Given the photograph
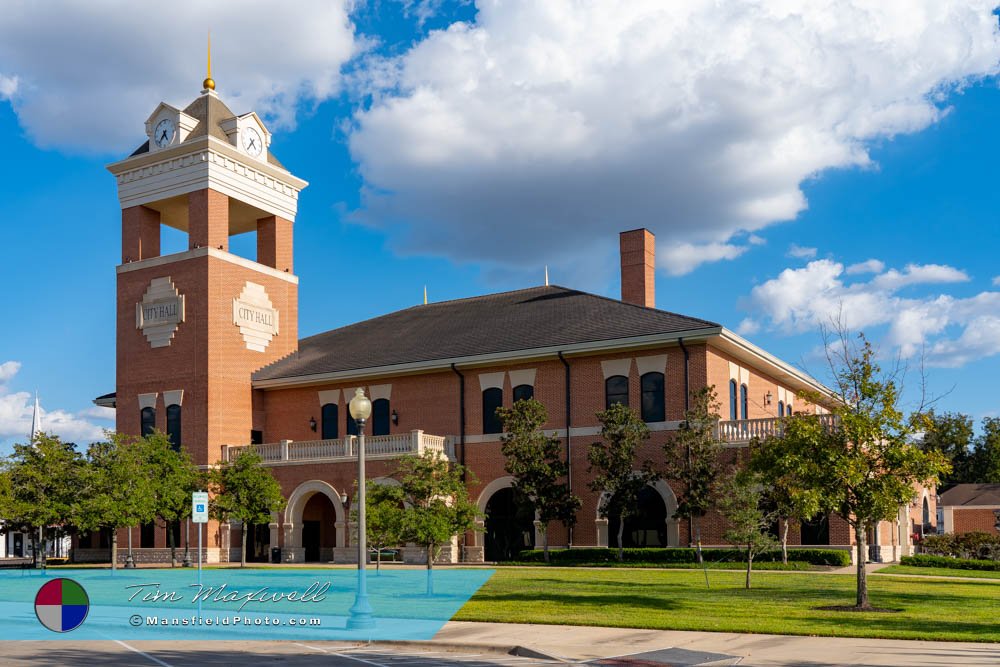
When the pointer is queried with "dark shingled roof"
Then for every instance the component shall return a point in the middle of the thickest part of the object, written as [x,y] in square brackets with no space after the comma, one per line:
[972,494]
[209,111]
[526,319]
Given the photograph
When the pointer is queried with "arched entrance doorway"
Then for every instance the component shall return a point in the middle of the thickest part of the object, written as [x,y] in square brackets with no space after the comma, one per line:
[258,542]
[510,525]
[647,527]
[315,523]
[319,531]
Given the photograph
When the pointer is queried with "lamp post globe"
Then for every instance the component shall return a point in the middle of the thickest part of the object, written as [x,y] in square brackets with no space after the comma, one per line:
[361,617]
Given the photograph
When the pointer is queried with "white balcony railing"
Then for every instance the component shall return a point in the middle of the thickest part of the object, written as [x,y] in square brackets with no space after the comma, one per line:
[745,430]
[343,449]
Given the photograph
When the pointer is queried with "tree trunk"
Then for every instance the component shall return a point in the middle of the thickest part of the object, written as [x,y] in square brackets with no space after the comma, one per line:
[697,537]
[378,560]
[243,550]
[749,565]
[861,533]
[34,548]
[784,542]
[430,570]
[621,531]
[545,543]
[173,547]
[114,549]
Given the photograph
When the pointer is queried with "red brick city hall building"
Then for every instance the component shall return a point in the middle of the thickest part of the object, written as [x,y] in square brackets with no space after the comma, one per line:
[208,352]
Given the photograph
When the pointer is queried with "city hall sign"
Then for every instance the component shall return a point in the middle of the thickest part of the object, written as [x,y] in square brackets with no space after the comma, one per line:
[160,312]
[255,317]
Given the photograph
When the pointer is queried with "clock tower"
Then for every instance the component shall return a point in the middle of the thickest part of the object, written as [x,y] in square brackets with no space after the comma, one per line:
[193,326]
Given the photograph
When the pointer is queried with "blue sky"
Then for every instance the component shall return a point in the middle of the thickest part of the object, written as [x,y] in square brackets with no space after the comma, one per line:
[467,146]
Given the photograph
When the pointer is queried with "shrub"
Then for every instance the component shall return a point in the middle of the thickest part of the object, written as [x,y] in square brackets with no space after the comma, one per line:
[599,555]
[923,560]
[975,546]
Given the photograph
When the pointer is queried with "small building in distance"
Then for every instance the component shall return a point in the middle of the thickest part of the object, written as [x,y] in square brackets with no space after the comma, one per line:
[967,508]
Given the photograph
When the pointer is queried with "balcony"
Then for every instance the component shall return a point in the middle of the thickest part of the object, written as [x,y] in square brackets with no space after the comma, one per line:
[345,449]
[741,431]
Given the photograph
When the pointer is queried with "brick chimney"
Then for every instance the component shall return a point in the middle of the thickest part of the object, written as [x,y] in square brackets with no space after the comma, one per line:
[638,256]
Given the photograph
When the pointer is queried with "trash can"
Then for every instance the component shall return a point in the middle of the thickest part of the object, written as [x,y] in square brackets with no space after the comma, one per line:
[275,554]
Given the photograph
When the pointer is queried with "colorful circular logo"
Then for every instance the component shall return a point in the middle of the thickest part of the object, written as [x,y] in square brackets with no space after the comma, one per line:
[61,605]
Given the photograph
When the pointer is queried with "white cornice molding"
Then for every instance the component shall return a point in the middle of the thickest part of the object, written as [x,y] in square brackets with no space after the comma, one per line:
[194,253]
[206,163]
[744,350]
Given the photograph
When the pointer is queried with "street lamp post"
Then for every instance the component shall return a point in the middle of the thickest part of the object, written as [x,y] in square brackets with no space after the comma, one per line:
[361,612]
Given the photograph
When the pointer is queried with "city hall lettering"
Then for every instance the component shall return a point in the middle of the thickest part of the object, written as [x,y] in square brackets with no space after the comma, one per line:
[160,312]
[246,314]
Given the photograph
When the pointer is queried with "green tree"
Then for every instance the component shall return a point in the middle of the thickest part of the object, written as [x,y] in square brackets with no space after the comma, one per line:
[174,477]
[867,465]
[535,462]
[951,434]
[692,458]
[612,464]
[741,496]
[984,463]
[383,518]
[787,491]
[44,481]
[437,501]
[117,490]
[246,491]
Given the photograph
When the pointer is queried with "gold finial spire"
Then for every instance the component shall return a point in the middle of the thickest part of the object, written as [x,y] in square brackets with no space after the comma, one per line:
[209,83]
[425,295]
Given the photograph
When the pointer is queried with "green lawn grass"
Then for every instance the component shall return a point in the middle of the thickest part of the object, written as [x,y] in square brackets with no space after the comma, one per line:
[939,572]
[779,603]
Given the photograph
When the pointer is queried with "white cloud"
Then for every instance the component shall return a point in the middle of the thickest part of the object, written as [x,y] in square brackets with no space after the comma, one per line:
[753,239]
[801,252]
[8,87]
[867,266]
[17,407]
[954,331]
[996,281]
[563,122]
[88,74]
[682,258]
[8,370]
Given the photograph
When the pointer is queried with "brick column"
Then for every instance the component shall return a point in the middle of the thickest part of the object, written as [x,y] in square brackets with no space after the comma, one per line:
[140,233]
[638,260]
[274,243]
[208,219]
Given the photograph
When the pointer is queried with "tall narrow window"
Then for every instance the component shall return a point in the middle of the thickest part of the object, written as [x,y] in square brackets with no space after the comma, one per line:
[781,408]
[147,536]
[732,400]
[743,402]
[523,392]
[147,421]
[616,391]
[174,426]
[328,413]
[653,409]
[380,416]
[492,399]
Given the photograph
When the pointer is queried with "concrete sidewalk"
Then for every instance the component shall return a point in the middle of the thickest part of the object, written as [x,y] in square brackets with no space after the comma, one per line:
[576,644]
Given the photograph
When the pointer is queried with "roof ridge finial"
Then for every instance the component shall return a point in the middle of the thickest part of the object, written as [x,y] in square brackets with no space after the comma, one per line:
[209,83]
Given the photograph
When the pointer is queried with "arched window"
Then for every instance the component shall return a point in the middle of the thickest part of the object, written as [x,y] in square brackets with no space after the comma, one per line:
[174,426]
[147,421]
[732,400]
[616,391]
[380,416]
[492,399]
[781,408]
[744,412]
[653,409]
[927,513]
[523,392]
[328,414]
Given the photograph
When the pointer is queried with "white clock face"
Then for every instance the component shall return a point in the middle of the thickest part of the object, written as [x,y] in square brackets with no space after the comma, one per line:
[164,133]
[253,143]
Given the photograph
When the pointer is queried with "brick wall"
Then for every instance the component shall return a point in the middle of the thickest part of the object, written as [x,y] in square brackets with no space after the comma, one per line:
[970,519]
